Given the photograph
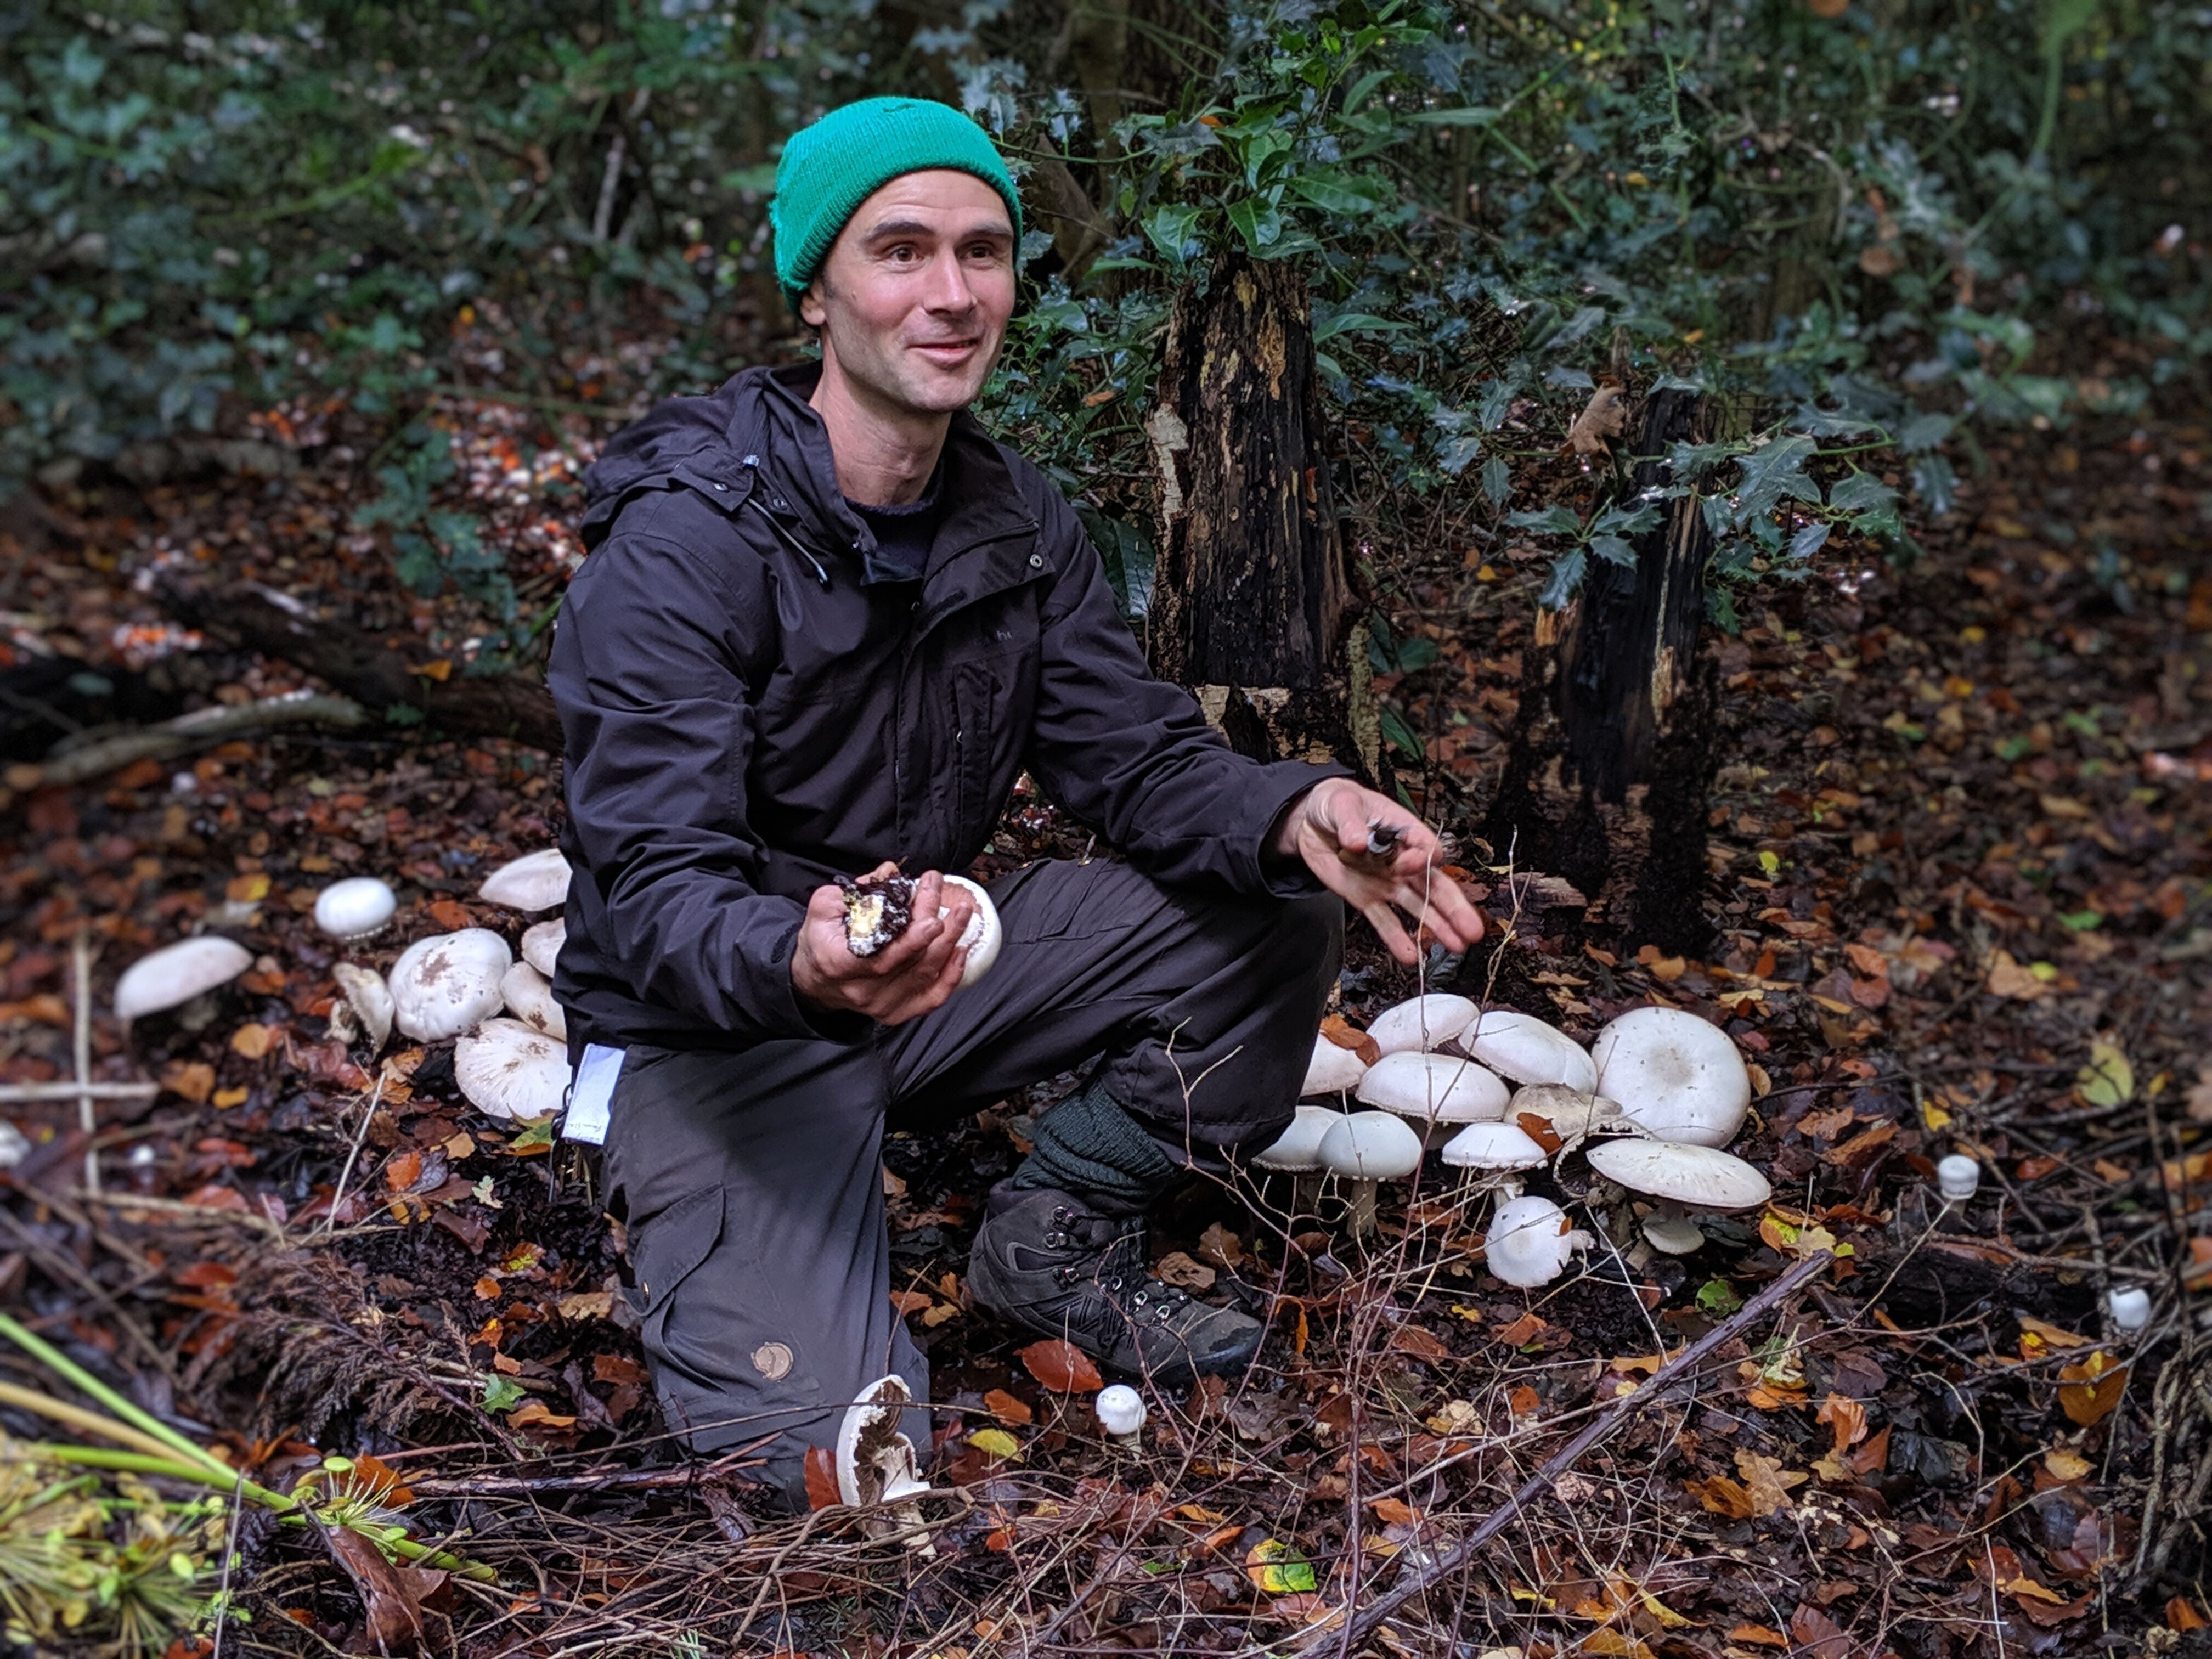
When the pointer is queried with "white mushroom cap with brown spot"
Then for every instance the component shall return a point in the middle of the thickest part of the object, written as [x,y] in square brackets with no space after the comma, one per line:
[442,985]
[509,1070]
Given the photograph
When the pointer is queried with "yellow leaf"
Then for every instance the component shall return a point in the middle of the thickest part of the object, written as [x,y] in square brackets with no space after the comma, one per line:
[253,1041]
[997,1442]
[2107,1080]
[1279,1569]
[2062,1463]
[1933,1116]
[2088,1392]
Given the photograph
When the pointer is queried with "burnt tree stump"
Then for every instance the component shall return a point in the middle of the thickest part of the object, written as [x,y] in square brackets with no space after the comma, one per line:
[1614,747]
[1250,604]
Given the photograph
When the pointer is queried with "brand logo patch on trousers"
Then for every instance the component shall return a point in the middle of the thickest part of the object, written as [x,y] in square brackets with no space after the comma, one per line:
[773,1361]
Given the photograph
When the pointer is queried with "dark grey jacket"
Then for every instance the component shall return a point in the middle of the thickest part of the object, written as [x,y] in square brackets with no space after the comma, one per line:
[749,712]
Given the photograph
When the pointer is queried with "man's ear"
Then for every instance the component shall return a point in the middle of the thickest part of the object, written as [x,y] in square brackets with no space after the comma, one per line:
[812,310]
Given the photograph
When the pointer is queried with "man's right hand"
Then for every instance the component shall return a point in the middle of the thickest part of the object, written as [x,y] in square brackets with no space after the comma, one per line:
[912,975]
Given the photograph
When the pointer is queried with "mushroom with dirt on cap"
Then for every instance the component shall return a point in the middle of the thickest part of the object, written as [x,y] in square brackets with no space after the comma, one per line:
[1679,1076]
[508,1070]
[536,881]
[365,1001]
[1524,1048]
[177,977]
[1681,1177]
[876,1463]
[1569,1115]
[1433,1090]
[1362,1148]
[442,985]
[1420,1022]
[529,997]
[1529,1242]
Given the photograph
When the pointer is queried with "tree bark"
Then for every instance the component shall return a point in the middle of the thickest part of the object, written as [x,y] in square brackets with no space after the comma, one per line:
[1614,748]
[370,671]
[1251,600]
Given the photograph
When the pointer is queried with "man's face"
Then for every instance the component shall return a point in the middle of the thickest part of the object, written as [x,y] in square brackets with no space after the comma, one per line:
[914,299]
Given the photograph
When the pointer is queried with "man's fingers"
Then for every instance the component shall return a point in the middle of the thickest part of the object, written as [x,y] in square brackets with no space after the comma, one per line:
[1384,920]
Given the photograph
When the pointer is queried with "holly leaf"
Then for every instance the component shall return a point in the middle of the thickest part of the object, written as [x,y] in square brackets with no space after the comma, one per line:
[1771,473]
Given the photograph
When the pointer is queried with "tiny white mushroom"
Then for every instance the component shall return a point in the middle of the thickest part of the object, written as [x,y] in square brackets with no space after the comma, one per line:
[1529,1242]
[354,908]
[536,881]
[528,995]
[876,1463]
[2130,1307]
[1499,1149]
[1296,1152]
[368,998]
[1333,1069]
[1679,1076]
[1682,1176]
[176,974]
[1362,1148]
[442,985]
[1434,1090]
[1957,1176]
[981,936]
[542,943]
[1524,1048]
[508,1070]
[15,1146]
[1421,1023]
[1120,1410]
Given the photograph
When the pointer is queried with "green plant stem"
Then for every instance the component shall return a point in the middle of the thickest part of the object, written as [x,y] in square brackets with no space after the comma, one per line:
[31,1400]
[76,1375]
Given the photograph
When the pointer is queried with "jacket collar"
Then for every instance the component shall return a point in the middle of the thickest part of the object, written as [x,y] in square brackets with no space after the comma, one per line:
[982,503]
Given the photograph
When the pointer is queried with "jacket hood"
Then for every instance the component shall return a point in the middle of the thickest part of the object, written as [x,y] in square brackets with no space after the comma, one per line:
[675,433]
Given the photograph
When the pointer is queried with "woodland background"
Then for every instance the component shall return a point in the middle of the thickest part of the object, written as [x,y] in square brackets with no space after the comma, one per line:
[311,316]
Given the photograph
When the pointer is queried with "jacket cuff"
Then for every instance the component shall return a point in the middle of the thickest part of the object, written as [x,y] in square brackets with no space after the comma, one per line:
[1279,784]
[782,1009]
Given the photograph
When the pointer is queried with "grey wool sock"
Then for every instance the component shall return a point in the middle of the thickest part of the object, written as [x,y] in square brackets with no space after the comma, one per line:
[1090,1146]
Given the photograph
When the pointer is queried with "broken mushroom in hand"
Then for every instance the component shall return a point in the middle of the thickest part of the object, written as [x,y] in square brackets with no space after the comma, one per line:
[877,910]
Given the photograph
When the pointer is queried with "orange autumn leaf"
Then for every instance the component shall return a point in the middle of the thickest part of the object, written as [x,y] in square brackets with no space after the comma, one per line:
[821,1470]
[1847,1418]
[2181,1614]
[452,916]
[400,1173]
[910,1302]
[2088,1392]
[1060,1366]
[1345,1035]
[1006,1408]
[1722,1497]
[1759,1636]
[1392,1512]
[253,1041]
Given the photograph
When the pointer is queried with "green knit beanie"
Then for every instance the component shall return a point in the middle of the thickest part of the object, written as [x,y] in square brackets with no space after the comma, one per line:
[829,168]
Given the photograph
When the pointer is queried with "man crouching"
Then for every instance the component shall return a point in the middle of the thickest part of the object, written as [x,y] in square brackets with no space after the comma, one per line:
[825,625]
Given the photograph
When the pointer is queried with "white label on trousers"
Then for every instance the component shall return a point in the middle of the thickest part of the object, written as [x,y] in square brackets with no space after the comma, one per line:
[589,1093]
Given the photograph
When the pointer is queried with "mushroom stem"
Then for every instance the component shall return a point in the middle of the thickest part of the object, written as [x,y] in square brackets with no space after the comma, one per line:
[1359,1208]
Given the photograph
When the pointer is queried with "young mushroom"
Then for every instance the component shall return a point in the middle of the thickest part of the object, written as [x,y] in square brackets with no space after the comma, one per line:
[1529,1242]
[179,974]
[876,1463]
[506,1070]
[2130,1307]
[1120,1410]
[1333,1069]
[442,985]
[536,881]
[1421,1023]
[366,1002]
[354,908]
[1296,1152]
[1524,1048]
[1679,1076]
[1499,1150]
[528,995]
[981,936]
[1957,1176]
[1362,1148]
[1680,1176]
[542,943]
[1432,1090]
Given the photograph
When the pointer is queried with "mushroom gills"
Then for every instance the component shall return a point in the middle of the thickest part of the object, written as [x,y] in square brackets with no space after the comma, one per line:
[876,1461]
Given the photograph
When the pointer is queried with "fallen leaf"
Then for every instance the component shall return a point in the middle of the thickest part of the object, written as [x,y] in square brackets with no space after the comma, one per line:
[2062,1463]
[192,1078]
[1760,1636]
[1276,1569]
[1345,1035]
[1219,1248]
[2107,1080]
[997,1442]
[253,1041]
[2181,1614]
[1818,1637]
[1417,1343]
[1007,1409]
[1766,1481]
[1060,1366]
[1395,1512]
[1722,1496]
[535,1413]
[1184,1273]
[821,1469]
[2090,1390]
[1603,417]
[910,1302]
[2008,978]
[391,1596]
[1847,1418]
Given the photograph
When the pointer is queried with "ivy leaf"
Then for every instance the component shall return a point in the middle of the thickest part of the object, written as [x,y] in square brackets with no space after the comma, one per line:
[501,1394]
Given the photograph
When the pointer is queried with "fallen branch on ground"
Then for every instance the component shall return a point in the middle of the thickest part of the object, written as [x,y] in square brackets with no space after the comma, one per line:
[203,728]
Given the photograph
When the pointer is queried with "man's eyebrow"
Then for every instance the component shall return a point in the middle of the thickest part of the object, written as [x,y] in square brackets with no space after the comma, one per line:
[891,229]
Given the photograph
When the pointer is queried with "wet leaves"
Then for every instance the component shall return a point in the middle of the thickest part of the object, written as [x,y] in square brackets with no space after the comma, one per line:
[1060,1366]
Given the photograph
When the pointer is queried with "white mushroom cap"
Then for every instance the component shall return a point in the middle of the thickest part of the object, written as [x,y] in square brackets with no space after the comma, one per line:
[1121,1409]
[981,936]
[1679,1076]
[15,1146]
[175,973]
[1671,1232]
[1529,1242]
[1524,1048]
[509,1071]
[875,1461]
[367,995]
[1956,1176]
[1333,1069]
[1570,1112]
[1696,1177]
[542,943]
[2130,1307]
[1434,1089]
[442,985]
[1420,1022]
[354,908]
[1371,1146]
[1298,1148]
[536,881]
[528,995]
[1493,1146]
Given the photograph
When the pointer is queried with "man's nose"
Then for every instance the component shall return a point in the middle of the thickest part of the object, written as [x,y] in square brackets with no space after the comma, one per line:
[948,288]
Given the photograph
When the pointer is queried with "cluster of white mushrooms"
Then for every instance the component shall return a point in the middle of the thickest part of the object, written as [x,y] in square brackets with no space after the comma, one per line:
[511,1058]
[1650,1105]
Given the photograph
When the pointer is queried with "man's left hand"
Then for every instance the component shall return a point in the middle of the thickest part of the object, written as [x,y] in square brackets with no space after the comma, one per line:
[1329,826]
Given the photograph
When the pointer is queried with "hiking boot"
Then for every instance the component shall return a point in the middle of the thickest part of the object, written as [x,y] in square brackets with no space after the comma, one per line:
[1049,1262]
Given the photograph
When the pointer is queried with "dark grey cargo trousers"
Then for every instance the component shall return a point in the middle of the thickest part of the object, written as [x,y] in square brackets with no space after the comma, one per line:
[750,1183]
